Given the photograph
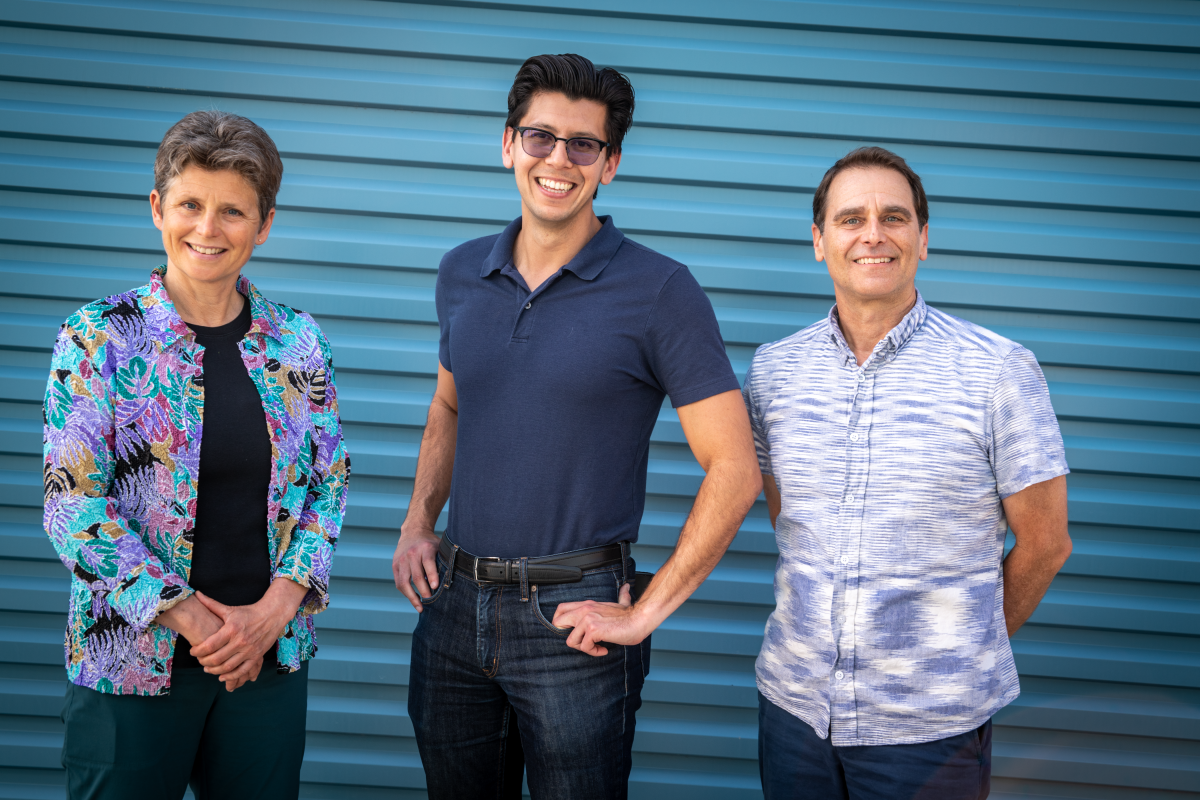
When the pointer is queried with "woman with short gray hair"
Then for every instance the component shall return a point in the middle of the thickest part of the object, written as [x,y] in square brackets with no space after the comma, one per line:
[195,483]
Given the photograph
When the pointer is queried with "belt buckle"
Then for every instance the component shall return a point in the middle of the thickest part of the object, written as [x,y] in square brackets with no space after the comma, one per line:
[485,558]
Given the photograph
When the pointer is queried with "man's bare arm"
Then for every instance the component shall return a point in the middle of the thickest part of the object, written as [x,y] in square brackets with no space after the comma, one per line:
[1038,517]
[774,499]
[415,559]
[718,431]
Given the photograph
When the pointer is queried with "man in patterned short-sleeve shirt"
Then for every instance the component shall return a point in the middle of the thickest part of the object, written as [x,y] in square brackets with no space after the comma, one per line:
[897,444]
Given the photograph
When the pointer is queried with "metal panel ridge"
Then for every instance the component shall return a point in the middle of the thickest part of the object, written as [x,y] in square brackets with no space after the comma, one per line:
[1059,144]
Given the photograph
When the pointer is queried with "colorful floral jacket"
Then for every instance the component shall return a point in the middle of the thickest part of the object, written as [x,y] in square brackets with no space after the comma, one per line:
[123,415]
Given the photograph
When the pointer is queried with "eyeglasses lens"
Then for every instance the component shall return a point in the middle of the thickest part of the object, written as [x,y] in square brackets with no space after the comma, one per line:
[539,144]
[583,151]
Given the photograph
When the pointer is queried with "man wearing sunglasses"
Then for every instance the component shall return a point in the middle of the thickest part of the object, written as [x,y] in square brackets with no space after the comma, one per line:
[560,339]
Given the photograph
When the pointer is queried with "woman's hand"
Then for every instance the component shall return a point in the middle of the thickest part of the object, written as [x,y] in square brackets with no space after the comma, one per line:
[247,671]
[191,620]
[235,652]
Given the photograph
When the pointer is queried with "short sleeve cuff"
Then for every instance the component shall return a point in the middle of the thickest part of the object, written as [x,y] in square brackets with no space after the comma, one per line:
[1026,479]
[726,383]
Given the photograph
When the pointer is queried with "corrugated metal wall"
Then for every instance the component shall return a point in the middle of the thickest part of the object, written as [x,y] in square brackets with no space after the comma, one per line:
[1060,148]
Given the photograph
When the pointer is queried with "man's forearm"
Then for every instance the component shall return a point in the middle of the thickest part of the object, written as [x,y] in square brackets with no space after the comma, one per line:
[435,465]
[1038,517]
[726,495]
[1027,575]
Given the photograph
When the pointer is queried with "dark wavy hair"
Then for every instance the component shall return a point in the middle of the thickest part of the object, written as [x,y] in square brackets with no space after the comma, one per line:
[217,140]
[578,79]
[870,157]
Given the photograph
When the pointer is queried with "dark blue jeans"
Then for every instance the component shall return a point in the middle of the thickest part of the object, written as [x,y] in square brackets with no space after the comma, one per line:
[796,764]
[494,685]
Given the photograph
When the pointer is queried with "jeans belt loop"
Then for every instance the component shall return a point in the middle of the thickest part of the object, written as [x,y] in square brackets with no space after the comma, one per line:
[524,580]
[625,562]
[452,567]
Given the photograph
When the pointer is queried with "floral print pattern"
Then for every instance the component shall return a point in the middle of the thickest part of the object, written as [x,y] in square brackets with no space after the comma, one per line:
[123,418]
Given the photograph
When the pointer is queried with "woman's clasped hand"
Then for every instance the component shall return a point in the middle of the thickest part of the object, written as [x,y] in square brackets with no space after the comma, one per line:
[235,651]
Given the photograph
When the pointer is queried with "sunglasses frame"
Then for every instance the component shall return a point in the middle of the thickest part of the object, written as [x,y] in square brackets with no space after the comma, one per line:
[521,135]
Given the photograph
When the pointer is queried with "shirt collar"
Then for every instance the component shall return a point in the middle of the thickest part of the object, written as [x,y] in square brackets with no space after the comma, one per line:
[160,313]
[896,338]
[587,263]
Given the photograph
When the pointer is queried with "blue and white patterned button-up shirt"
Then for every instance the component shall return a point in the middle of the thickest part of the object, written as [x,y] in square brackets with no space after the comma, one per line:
[889,619]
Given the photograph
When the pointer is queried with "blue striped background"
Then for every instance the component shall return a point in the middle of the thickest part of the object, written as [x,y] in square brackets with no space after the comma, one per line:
[1061,150]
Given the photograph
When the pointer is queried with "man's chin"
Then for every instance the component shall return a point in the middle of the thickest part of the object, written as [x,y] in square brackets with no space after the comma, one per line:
[555,213]
[881,293]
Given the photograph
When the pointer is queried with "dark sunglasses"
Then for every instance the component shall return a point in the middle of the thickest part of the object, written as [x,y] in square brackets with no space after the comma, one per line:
[581,150]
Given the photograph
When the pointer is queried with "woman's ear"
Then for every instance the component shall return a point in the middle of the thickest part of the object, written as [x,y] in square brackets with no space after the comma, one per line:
[265,229]
[156,209]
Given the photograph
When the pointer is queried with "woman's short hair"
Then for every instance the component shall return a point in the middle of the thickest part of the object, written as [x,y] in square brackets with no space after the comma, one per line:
[218,140]
[866,157]
[578,79]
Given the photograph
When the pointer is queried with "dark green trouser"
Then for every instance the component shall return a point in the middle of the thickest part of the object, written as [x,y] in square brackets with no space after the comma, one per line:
[244,744]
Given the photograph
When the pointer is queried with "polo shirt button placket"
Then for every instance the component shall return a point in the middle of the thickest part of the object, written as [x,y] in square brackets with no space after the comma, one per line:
[524,323]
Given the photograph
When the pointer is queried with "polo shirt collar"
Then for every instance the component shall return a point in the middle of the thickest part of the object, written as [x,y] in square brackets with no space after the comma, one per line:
[896,338]
[587,263]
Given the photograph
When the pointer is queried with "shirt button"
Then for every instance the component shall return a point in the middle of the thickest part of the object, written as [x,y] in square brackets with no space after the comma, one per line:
[529,305]
[845,559]
[862,376]
[839,674]
[854,437]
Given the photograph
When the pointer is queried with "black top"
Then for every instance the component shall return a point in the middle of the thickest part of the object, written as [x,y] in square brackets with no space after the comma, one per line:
[230,559]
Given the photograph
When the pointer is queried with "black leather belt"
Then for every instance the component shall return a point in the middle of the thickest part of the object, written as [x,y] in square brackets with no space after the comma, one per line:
[558,568]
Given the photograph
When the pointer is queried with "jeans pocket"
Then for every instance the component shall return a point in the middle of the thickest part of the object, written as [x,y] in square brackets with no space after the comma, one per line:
[426,601]
[602,587]
[536,602]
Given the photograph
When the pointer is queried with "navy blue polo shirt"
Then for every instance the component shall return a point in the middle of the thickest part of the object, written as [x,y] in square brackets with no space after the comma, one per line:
[559,389]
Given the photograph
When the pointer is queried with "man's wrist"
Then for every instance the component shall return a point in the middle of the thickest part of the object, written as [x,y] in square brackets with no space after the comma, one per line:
[411,528]
[647,617]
